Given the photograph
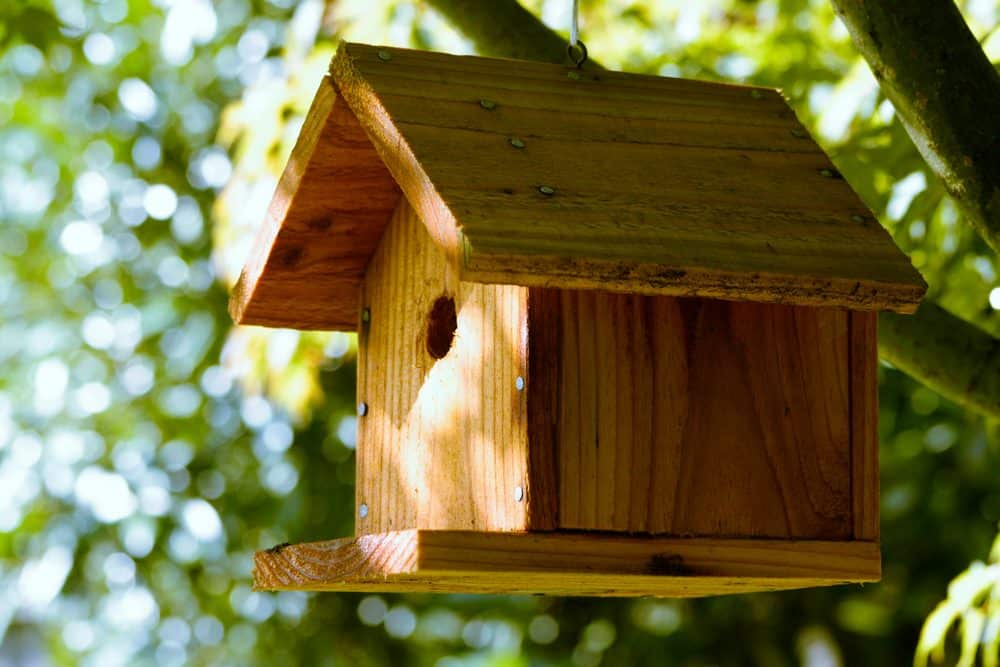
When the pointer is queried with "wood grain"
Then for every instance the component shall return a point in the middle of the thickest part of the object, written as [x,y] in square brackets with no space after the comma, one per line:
[327,215]
[561,564]
[864,425]
[444,441]
[691,416]
[662,186]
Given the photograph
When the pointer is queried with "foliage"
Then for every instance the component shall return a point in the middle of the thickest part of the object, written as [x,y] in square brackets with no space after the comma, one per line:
[146,450]
[973,603]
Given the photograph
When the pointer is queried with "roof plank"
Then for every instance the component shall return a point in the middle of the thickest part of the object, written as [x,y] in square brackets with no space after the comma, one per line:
[661,186]
[332,203]
[658,186]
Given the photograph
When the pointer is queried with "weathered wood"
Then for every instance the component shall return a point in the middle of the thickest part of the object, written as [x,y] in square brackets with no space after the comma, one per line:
[692,416]
[659,186]
[645,202]
[443,443]
[331,205]
[864,425]
[561,564]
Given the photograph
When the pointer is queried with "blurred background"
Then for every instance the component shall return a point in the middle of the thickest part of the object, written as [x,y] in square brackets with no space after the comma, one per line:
[147,448]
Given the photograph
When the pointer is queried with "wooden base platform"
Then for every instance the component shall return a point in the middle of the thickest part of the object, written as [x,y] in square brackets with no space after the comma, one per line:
[562,563]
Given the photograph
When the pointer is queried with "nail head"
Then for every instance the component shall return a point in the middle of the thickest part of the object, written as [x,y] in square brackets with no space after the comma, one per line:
[857,218]
[518,493]
[756,94]
[546,190]
[573,74]
[363,511]
[489,105]
[362,409]
[516,142]
[519,383]
[366,315]
[384,56]
[827,173]
[800,134]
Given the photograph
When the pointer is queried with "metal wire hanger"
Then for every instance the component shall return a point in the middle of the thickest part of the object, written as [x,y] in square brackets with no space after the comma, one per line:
[576,50]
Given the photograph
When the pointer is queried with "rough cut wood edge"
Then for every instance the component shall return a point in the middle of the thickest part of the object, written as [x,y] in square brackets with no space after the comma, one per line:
[652,280]
[324,221]
[561,564]
[864,424]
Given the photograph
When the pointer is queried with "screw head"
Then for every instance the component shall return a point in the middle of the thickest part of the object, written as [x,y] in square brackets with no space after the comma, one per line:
[489,105]
[363,511]
[519,383]
[384,56]
[516,142]
[518,493]
[546,190]
[362,409]
[366,315]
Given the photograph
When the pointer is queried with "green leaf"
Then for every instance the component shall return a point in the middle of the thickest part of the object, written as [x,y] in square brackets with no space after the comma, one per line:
[973,622]
[967,588]
[991,641]
[934,632]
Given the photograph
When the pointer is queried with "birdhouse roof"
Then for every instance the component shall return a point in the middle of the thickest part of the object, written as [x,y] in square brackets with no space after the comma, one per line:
[545,175]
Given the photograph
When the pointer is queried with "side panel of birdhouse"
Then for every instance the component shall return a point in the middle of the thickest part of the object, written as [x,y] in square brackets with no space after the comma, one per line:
[698,417]
[442,441]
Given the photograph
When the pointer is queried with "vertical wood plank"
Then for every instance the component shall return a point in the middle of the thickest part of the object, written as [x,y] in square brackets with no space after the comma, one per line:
[390,373]
[864,419]
[665,343]
[546,485]
[625,378]
[695,416]
[444,442]
[586,404]
[568,426]
[607,443]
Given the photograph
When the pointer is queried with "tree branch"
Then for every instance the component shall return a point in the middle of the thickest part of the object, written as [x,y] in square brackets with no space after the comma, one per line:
[951,356]
[946,92]
[503,28]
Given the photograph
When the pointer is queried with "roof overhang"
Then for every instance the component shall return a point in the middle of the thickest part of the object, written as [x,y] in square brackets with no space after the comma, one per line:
[537,174]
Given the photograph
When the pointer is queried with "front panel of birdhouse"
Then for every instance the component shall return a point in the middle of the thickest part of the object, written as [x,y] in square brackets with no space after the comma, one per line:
[443,442]
[508,408]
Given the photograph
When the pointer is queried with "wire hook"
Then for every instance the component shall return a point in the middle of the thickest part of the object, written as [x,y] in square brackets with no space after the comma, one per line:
[577,50]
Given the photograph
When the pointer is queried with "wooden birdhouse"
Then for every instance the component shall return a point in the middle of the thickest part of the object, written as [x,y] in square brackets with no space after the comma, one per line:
[616,333]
